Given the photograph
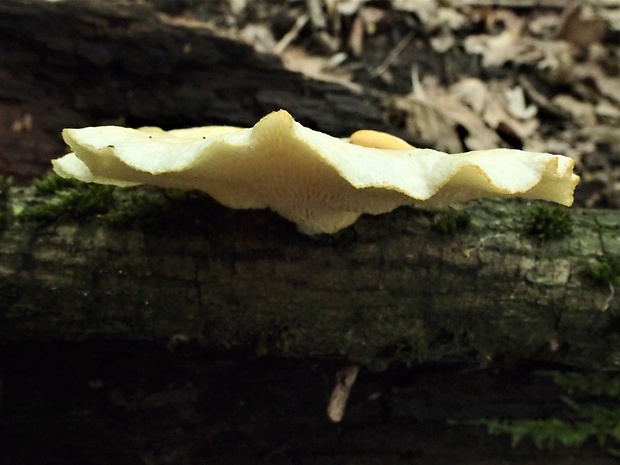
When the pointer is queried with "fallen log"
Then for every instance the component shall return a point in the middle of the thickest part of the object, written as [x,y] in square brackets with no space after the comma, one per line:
[469,284]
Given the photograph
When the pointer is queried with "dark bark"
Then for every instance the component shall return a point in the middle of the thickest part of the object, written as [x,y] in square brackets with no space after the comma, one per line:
[391,286]
[82,63]
[136,404]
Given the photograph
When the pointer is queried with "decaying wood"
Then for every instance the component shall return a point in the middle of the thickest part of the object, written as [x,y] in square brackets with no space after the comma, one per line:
[141,404]
[124,63]
[391,286]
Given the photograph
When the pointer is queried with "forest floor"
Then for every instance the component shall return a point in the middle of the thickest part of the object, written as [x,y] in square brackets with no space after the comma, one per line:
[458,75]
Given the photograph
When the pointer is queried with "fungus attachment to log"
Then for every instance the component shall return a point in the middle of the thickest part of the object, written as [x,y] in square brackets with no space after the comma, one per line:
[321,183]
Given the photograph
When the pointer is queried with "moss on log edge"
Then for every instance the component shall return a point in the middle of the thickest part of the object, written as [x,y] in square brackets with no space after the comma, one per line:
[468,283]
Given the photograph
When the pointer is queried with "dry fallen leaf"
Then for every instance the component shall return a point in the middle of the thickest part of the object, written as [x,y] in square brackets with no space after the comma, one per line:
[426,10]
[516,104]
[501,108]
[433,115]
[581,27]
[583,113]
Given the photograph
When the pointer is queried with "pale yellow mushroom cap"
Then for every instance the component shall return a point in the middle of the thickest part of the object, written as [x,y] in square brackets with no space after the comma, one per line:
[319,182]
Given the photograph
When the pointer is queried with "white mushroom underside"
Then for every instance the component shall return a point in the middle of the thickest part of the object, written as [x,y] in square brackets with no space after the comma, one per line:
[319,182]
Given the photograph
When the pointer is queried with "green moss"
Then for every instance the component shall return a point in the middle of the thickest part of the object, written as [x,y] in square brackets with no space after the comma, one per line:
[74,199]
[606,270]
[597,416]
[591,384]
[146,208]
[546,222]
[544,433]
[141,207]
[51,183]
[449,221]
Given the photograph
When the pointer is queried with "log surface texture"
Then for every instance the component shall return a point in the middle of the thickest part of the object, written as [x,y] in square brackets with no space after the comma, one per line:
[390,285]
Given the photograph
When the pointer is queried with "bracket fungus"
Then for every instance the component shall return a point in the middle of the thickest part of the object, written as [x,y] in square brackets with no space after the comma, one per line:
[319,182]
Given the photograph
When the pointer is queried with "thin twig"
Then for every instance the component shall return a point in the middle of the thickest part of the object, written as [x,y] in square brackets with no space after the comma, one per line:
[392,56]
[291,35]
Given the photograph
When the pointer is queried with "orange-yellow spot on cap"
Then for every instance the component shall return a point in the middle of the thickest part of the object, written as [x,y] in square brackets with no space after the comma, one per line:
[378,140]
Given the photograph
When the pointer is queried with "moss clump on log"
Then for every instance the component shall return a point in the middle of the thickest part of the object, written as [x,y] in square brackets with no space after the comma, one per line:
[593,413]
[547,222]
